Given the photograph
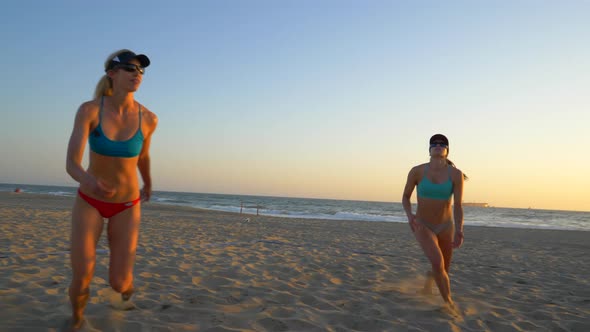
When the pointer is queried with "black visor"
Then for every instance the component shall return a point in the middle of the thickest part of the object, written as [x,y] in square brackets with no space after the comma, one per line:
[439,138]
[125,57]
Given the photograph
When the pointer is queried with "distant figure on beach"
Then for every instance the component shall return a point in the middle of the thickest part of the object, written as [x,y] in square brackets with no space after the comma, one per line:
[118,130]
[17,190]
[438,182]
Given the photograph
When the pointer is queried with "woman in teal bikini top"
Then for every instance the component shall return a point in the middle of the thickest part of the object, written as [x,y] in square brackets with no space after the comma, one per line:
[441,191]
[436,191]
[101,144]
[437,182]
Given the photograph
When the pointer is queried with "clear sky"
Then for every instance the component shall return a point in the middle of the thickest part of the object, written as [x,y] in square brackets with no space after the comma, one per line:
[307,98]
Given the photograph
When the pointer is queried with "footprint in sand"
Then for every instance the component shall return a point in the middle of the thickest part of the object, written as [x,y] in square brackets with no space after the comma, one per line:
[453,311]
[86,327]
[116,300]
[123,305]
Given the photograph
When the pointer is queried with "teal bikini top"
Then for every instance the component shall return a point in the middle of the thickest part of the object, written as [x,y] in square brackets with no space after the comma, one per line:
[101,144]
[440,191]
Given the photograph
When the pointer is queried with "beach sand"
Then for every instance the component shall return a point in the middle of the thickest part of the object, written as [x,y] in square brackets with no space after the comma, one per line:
[212,271]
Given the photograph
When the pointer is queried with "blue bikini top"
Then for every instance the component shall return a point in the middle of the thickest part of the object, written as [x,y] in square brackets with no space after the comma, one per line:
[440,191]
[101,144]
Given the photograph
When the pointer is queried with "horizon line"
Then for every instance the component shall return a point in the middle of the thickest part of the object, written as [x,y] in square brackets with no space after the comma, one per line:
[314,198]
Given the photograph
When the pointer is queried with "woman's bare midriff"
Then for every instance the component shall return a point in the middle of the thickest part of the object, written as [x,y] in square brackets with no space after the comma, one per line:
[115,172]
[433,211]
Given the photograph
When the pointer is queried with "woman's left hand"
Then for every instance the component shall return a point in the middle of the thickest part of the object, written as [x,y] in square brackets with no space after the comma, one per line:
[146,193]
[458,239]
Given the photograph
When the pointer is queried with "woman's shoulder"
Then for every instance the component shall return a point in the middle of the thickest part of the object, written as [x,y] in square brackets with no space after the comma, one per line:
[88,109]
[456,173]
[147,115]
[418,170]
[419,167]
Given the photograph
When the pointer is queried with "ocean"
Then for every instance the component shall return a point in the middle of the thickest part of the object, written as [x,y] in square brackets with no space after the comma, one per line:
[330,209]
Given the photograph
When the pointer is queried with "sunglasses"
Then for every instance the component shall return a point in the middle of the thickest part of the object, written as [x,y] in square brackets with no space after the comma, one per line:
[131,68]
[435,144]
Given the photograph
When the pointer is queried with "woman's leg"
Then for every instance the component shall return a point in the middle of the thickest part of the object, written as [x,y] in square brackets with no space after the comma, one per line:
[428,283]
[430,245]
[87,226]
[445,243]
[123,231]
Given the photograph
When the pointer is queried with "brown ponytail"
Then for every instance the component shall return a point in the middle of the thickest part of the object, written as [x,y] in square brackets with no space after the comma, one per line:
[450,163]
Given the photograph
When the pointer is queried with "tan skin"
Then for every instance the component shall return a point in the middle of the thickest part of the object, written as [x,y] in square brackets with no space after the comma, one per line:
[437,248]
[109,179]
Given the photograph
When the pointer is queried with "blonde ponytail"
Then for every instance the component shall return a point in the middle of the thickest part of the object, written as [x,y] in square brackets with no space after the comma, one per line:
[104,87]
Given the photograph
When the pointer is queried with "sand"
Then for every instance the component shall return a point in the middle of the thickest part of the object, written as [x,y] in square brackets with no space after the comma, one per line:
[200,270]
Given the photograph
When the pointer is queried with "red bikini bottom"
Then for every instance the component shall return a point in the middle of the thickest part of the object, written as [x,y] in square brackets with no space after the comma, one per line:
[107,209]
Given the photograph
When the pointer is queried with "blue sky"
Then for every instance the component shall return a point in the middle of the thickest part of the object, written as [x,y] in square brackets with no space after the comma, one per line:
[333,99]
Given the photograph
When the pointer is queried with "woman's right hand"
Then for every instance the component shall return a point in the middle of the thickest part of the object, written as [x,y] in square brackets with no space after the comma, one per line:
[99,187]
[104,190]
[412,222]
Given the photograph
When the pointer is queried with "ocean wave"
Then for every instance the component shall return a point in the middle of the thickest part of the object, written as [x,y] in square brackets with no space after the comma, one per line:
[62,193]
[332,216]
[369,217]
[171,201]
[344,210]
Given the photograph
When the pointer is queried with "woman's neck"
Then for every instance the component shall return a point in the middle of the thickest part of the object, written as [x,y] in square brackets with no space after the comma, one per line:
[122,102]
[438,162]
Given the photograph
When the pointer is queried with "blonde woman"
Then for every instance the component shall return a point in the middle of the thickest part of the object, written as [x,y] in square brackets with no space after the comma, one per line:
[118,130]
[438,182]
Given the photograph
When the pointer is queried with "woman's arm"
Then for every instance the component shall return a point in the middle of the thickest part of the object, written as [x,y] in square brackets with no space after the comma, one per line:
[458,207]
[82,124]
[77,144]
[143,164]
[408,189]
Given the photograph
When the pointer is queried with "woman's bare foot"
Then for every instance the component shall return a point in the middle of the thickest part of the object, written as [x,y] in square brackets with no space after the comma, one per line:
[127,294]
[452,309]
[74,324]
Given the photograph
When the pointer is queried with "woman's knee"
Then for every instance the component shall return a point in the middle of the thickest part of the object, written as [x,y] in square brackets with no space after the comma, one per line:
[438,266]
[121,283]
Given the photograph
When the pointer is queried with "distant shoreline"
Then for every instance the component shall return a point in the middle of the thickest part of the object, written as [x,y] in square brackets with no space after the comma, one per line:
[13,186]
[475,204]
[44,199]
